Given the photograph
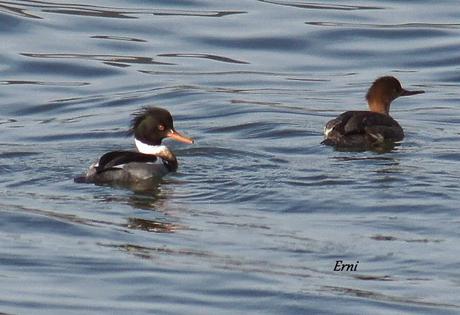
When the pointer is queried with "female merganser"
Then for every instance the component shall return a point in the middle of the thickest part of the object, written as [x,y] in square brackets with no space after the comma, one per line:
[373,128]
[150,126]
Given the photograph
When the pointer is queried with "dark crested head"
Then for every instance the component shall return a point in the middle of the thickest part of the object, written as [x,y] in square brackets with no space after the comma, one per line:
[151,125]
[383,91]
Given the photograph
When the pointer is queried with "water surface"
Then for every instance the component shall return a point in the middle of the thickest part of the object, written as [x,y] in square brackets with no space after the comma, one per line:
[259,211]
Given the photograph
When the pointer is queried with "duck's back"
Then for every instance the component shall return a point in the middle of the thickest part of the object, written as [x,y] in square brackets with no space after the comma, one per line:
[120,167]
[362,129]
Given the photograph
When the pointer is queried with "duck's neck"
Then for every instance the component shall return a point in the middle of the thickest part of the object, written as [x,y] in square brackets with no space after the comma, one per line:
[379,107]
[167,156]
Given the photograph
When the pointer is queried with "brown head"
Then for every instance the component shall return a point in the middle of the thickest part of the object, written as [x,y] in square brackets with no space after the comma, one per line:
[383,91]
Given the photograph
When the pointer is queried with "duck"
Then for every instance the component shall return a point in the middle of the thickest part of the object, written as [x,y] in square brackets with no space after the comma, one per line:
[374,128]
[152,160]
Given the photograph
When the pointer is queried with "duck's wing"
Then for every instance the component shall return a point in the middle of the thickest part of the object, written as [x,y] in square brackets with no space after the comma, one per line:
[116,159]
[382,127]
[375,127]
[353,122]
[350,122]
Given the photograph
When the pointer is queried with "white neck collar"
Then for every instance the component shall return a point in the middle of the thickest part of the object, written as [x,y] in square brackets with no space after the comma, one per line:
[150,149]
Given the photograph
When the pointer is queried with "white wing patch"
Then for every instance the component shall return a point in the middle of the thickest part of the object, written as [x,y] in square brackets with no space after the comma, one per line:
[327,130]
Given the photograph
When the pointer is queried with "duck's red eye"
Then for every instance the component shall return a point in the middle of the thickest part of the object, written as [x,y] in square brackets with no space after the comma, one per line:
[161,127]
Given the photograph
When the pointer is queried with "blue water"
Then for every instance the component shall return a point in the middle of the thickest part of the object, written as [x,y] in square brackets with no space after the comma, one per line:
[259,211]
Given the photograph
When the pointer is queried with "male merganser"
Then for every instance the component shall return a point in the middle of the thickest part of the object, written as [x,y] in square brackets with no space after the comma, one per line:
[373,128]
[149,126]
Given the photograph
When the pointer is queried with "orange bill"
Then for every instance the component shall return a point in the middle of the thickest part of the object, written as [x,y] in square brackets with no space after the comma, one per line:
[175,135]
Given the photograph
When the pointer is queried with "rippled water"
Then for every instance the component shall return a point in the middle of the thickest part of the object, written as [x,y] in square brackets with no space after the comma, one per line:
[259,212]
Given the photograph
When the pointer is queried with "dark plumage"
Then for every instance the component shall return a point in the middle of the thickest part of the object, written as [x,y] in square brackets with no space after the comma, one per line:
[149,126]
[373,128]
[115,158]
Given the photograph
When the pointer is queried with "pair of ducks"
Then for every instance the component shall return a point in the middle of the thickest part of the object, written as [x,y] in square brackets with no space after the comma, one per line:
[350,130]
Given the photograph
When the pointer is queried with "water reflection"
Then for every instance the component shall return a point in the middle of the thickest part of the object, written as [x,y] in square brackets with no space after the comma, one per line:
[151,225]
[382,172]
[193,256]
[9,7]
[412,240]
[23,9]
[397,26]
[320,6]
[146,193]
[205,56]
[381,297]
[120,38]
[380,148]
[107,59]
[26,82]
